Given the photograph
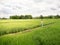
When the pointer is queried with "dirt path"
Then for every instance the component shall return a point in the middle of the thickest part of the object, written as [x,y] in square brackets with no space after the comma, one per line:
[29,30]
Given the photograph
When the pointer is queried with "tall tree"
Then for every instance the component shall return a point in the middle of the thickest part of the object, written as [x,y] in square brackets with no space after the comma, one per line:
[57,16]
[41,16]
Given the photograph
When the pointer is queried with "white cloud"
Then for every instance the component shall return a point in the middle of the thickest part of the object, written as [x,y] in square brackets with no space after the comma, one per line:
[34,7]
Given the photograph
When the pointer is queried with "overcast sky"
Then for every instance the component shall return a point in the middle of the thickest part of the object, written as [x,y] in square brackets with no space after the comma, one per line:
[33,7]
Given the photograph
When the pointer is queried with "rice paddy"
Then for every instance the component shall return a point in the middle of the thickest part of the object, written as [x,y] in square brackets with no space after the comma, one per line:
[30,32]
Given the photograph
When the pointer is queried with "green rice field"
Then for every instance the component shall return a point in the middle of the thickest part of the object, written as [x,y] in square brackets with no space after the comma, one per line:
[30,32]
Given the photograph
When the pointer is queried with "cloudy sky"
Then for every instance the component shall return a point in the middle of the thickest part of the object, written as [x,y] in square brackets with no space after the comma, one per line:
[33,7]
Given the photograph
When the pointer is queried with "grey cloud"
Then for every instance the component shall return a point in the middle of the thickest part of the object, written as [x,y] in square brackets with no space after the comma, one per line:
[49,2]
[53,9]
[18,7]
[46,1]
[38,1]
[59,6]
[26,6]
[5,4]
[5,11]
[14,7]
[59,0]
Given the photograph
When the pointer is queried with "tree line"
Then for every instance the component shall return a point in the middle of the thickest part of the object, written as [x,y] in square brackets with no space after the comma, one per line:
[48,17]
[21,17]
[31,17]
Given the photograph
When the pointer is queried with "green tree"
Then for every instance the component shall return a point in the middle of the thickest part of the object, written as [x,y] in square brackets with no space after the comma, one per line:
[14,17]
[57,16]
[21,17]
[50,16]
[28,17]
[41,17]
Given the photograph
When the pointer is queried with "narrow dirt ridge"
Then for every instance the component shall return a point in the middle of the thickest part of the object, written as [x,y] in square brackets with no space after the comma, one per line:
[37,27]
[28,30]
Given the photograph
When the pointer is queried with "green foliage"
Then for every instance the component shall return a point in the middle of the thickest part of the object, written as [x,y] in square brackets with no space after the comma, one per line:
[21,17]
[57,16]
[14,17]
[28,17]
[51,17]
[3,18]
[48,17]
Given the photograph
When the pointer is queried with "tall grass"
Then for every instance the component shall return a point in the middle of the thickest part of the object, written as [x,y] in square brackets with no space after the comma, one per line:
[13,26]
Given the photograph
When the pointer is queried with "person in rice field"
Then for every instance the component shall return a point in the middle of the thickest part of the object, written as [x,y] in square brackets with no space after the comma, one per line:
[42,23]
[41,17]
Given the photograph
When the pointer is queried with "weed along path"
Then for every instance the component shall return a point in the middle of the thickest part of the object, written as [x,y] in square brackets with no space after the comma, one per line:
[29,30]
